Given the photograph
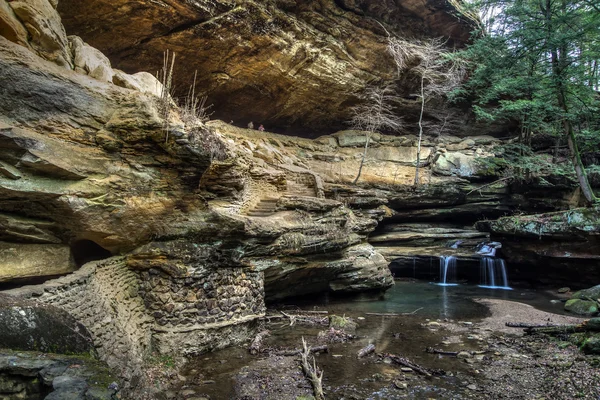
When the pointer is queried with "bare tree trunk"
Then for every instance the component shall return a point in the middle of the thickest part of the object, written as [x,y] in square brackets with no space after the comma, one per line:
[420,129]
[362,161]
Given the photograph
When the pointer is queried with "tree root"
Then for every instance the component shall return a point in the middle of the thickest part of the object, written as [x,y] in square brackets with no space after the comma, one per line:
[312,372]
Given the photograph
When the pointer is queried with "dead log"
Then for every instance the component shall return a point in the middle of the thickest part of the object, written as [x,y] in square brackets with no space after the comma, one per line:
[256,345]
[590,325]
[295,352]
[368,349]
[314,375]
[526,325]
[405,362]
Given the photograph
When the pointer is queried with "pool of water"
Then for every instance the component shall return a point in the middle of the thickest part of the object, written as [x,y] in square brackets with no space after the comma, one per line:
[431,300]
[346,376]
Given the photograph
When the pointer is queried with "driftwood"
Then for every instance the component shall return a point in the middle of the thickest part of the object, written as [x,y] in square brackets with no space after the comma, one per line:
[314,375]
[256,345]
[395,314]
[305,319]
[299,318]
[368,349]
[295,352]
[405,362]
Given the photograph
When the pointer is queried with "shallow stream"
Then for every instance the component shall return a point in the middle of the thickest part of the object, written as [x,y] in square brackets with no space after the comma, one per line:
[215,375]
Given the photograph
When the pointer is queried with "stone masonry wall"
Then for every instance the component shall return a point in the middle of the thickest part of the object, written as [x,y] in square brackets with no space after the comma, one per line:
[103,296]
[191,312]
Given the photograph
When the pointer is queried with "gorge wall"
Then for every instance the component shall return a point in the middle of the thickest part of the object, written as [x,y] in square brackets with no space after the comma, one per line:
[175,233]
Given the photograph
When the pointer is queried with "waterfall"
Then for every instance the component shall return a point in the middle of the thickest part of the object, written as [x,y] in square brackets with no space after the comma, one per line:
[447,271]
[493,273]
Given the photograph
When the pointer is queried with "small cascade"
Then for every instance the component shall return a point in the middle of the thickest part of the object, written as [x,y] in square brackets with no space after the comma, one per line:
[493,273]
[447,271]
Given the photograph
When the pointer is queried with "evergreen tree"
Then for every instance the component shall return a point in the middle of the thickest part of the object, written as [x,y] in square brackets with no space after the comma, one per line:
[537,62]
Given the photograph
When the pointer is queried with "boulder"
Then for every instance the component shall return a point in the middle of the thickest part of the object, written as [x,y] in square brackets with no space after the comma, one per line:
[581,307]
[591,345]
[590,293]
[455,164]
[142,81]
[90,61]
[10,26]
[30,326]
[48,36]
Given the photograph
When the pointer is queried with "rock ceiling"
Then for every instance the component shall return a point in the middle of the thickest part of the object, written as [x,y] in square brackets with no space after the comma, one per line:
[291,65]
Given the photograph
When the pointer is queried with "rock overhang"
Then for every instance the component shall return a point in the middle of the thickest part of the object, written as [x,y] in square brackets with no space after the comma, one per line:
[292,66]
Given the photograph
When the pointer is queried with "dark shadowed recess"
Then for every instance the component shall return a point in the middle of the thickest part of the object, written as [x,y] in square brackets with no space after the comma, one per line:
[85,251]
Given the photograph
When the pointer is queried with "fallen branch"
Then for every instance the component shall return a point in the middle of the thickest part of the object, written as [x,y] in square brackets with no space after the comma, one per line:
[395,314]
[295,352]
[368,349]
[306,319]
[312,372]
[256,345]
[405,362]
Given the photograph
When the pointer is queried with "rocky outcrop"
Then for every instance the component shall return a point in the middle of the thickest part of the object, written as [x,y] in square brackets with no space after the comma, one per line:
[54,377]
[545,245]
[288,64]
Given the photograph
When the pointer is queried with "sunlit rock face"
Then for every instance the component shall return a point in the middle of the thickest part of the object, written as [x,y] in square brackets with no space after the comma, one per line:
[294,66]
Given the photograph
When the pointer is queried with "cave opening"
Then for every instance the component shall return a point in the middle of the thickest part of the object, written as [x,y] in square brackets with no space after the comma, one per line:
[85,251]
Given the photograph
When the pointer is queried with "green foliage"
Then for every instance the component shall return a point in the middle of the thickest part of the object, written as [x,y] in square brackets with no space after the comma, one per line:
[537,62]
[518,161]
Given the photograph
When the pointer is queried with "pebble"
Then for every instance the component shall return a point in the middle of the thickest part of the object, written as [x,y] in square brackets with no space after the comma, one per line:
[467,323]
[337,355]
[472,387]
[400,385]
[406,369]
[463,355]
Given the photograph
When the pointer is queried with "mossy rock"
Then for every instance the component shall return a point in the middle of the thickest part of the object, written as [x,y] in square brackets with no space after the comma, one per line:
[592,293]
[342,323]
[581,307]
[591,345]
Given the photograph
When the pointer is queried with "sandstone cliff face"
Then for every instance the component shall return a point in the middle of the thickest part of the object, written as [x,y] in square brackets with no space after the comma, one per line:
[294,65]
[192,227]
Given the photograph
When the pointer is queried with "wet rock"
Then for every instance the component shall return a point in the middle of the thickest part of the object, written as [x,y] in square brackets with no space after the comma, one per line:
[581,307]
[65,377]
[564,290]
[591,345]
[592,293]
